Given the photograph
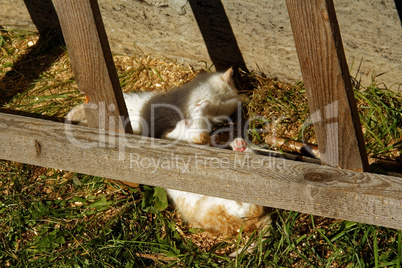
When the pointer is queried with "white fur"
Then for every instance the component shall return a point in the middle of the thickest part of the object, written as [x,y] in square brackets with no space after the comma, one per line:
[203,203]
[208,97]
[158,112]
[135,103]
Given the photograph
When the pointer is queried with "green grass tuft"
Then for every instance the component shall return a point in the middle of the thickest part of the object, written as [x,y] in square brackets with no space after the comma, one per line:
[380,112]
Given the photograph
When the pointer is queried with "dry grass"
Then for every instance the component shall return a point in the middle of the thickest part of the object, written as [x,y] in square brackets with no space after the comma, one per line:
[280,109]
[148,74]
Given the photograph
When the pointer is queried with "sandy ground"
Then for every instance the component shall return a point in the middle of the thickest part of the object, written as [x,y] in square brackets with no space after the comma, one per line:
[371,32]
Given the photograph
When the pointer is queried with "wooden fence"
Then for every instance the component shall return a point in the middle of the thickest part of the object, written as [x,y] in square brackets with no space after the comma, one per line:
[346,193]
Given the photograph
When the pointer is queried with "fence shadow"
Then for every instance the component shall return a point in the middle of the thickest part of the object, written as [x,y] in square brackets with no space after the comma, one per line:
[40,56]
[398,5]
[218,34]
[210,16]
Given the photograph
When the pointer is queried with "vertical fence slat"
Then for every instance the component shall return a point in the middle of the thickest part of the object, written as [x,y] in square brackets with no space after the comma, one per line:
[328,85]
[92,63]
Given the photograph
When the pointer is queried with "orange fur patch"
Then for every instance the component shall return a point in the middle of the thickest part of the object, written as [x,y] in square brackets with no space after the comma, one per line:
[217,221]
[203,138]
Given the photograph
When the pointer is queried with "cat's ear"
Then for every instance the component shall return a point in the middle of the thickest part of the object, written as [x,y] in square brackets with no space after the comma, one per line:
[228,77]
[202,71]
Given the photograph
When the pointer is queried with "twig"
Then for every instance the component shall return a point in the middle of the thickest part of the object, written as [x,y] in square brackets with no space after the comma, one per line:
[157,257]
[289,145]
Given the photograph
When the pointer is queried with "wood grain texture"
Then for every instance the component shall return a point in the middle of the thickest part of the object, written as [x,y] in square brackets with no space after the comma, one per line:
[275,182]
[328,86]
[92,63]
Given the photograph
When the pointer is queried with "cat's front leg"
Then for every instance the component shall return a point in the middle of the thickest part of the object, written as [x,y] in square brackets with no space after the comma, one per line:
[199,109]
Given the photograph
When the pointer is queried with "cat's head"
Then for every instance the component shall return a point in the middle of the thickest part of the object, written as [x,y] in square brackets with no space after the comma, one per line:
[224,78]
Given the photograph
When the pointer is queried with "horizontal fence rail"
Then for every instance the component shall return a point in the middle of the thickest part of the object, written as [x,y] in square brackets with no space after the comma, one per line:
[268,181]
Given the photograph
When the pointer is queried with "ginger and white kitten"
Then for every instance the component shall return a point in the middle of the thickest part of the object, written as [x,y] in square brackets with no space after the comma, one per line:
[186,113]
[157,114]
[218,215]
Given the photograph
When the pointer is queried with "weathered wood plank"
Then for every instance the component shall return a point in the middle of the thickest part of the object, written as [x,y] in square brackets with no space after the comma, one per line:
[328,86]
[92,63]
[309,188]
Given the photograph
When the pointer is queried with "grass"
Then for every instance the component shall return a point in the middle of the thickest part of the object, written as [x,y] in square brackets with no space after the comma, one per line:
[281,109]
[57,218]
[380,113]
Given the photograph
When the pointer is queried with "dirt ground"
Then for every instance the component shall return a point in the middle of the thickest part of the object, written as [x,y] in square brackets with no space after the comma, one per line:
[371,32]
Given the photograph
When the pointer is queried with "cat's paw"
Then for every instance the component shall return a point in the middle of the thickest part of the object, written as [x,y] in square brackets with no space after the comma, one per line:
[188,130]
[199,108]
[240,145]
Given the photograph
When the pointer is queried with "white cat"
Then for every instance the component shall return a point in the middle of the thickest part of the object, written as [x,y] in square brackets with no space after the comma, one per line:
[186,113]
[157,114]
[162,111]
